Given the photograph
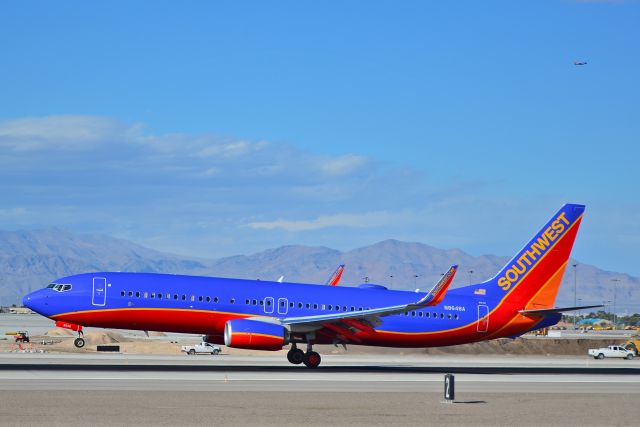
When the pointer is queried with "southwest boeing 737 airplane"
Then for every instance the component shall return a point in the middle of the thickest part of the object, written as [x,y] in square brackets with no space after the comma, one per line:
[261,315]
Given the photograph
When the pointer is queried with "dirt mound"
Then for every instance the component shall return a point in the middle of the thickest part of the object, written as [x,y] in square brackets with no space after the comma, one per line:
[95,338]
[59,332]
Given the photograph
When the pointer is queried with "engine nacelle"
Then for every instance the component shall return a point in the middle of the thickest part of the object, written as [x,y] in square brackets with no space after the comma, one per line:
[255,335]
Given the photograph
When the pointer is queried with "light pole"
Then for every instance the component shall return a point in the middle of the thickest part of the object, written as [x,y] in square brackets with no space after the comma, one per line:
[579,311]
[606,303]
[415,281]
[391,277]
[470,273]
[615,287]
[575,292]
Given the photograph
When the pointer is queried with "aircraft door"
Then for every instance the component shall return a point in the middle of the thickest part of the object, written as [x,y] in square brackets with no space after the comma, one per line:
[483,318]
[99,295]
[268,305]
[283,305]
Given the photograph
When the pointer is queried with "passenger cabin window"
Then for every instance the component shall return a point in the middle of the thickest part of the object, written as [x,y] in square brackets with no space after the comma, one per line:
[208,299]
[121,293]
[146,294]
[137,294]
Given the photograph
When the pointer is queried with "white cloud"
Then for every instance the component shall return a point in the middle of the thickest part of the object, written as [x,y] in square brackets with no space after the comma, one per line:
[63,132]
[344,165]
[360,220]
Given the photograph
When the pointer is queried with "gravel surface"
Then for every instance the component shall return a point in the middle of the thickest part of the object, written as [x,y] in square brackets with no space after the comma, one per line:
[102,408]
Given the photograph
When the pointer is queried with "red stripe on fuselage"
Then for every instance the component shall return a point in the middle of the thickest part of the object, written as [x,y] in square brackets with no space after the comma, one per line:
[154,319]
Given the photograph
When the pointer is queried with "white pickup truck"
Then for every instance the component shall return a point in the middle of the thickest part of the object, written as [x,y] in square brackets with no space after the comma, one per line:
[202,348]
[611,351]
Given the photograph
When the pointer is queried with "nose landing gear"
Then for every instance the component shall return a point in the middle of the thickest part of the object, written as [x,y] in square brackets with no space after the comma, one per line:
[79,342]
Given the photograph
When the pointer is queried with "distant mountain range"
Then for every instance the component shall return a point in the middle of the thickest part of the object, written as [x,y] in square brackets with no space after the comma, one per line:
[31,259]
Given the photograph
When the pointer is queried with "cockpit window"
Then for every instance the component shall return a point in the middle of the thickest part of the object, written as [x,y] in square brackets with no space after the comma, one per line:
[51,286]
[59,288]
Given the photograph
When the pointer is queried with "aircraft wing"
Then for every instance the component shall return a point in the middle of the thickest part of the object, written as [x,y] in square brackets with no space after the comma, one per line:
[372,315]
[335,277]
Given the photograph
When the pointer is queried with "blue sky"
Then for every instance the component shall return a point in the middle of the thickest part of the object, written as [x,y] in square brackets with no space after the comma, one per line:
[210,128]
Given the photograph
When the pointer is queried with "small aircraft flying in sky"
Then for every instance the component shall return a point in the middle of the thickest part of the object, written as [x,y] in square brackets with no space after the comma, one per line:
[264,315]
[579,63]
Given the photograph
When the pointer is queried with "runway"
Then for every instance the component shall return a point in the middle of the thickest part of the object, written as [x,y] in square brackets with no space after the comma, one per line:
[95,389]
[337,373]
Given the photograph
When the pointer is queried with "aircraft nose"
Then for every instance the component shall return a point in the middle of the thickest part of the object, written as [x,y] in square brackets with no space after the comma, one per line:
[36,301]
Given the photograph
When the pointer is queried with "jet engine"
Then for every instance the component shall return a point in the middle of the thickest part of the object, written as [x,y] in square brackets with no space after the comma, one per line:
[255,335]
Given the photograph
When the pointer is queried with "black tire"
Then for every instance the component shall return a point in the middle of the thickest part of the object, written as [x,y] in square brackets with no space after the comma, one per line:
[79,342]
[191,352]
[295,356]
[312,359]
[600,356]
[629,357]
[216,352]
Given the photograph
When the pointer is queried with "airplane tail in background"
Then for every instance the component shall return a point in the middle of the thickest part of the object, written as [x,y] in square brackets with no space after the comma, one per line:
[531,279]
[335,277]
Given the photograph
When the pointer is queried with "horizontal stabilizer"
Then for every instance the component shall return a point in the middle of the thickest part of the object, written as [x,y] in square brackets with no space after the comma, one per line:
[558,310]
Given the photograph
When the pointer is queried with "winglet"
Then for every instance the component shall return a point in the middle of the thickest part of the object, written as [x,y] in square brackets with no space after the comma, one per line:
[435,295]
[335,277]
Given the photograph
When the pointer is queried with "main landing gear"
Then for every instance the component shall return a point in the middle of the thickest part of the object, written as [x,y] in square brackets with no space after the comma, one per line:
[311,358]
